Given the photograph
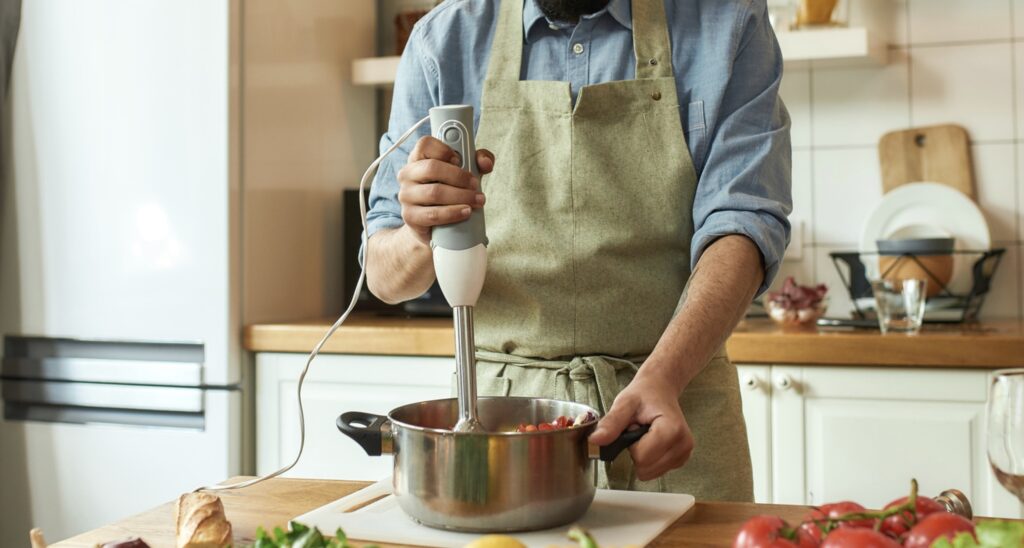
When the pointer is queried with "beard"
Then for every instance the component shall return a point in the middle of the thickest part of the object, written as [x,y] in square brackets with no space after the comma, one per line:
[569,10]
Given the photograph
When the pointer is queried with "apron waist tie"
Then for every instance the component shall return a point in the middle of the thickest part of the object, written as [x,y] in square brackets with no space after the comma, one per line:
[580,371]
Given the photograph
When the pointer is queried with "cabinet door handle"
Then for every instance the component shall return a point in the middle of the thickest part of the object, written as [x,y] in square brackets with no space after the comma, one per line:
[750,382]
[784,382]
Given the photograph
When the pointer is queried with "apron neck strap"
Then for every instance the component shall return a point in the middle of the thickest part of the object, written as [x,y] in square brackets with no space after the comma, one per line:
[506,60]
[650,41]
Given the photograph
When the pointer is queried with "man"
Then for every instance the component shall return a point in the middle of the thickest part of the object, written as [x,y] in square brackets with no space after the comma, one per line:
[632,142]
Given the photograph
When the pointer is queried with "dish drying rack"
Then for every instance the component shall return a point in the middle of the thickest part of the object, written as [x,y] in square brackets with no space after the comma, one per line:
[947,306]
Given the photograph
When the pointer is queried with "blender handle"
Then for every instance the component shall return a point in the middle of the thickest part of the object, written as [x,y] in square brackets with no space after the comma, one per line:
[453,125]
[371,432]
[629,437]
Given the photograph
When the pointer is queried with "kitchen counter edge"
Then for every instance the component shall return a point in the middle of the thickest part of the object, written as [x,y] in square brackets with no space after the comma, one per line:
[987,345]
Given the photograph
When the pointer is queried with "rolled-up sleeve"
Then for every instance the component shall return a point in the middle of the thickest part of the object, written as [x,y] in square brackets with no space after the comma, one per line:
[415,92]
[745,186]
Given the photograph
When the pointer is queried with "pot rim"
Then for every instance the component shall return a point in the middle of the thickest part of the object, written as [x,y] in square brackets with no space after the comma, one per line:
[394,422]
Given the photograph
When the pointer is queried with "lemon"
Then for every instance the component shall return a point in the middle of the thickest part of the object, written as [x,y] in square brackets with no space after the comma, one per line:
[496,541]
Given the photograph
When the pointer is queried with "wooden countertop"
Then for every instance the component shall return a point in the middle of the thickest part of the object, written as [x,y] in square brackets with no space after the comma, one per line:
[993,344]
[275,501]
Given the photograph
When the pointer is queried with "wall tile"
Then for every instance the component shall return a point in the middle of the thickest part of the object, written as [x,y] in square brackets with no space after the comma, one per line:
[968,85]
[1020,193]
[886,17]
[1004,299]
[996,188]
[796,94]
[1018,18]
[847,186]
[1018,93]
[944,21]
[802,271]
[1020,279]
[803,197]
[855,106]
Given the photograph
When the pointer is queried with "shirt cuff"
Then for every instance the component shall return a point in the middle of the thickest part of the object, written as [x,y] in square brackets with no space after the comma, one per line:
[769,234]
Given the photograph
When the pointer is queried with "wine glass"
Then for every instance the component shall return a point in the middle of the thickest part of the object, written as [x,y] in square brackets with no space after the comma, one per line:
[1006,429]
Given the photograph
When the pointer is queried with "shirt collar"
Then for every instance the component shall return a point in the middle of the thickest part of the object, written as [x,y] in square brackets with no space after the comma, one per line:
[620,10]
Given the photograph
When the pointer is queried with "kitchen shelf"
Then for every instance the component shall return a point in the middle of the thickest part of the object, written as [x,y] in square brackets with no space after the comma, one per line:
[375,71]
[835,46]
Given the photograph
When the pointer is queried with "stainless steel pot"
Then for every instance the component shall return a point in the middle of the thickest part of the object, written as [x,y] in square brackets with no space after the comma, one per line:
[498,481]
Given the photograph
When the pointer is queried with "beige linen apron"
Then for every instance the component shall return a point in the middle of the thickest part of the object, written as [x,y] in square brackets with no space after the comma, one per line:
[589,221]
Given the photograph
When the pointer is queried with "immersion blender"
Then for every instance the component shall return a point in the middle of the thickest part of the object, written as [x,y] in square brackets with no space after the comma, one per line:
[460,260]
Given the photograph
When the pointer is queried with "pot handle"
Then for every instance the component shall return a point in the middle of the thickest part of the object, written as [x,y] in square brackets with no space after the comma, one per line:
[366,429]
[621,443]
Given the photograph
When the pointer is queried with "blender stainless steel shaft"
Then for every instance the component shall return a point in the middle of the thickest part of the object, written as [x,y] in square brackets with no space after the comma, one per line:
[465,364]
[460,260]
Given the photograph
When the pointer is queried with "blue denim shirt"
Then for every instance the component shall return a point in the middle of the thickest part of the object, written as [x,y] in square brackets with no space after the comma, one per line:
[727,65]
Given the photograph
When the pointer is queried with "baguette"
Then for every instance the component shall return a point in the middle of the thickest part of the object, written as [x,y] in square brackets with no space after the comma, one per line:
[201,522]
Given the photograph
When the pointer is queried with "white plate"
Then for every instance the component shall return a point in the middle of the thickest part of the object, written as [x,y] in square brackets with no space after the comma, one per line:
[927,210]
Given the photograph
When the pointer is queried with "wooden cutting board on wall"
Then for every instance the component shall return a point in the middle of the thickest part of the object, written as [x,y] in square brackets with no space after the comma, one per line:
[938,154]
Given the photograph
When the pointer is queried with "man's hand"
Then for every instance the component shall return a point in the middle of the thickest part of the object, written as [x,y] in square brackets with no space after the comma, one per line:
[721,287]
[435,191]
[647,400]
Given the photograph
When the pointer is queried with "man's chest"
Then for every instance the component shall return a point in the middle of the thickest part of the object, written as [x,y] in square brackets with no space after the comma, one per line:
[587,54]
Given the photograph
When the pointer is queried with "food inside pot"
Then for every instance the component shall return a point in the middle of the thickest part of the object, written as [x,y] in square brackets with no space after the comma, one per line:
[499,415]
[560,423]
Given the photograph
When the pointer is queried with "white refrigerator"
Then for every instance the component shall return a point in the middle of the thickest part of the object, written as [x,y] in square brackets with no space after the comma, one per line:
[173,170]
[121,376]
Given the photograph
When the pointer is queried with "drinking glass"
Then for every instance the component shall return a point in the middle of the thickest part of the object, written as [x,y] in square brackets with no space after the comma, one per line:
[782,14]
[899,304]
[1006,429]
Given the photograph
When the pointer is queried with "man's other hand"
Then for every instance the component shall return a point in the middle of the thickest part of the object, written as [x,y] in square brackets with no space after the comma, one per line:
[667,445]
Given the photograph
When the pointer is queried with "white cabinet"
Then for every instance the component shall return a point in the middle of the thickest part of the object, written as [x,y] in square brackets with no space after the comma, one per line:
[816,434]
[336,383]
[861,433]
[756,390]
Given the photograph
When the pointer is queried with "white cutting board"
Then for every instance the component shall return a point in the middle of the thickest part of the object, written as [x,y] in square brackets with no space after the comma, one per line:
[615,519]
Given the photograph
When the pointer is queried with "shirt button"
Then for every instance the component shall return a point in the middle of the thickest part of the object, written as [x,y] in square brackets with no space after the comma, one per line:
[577,48]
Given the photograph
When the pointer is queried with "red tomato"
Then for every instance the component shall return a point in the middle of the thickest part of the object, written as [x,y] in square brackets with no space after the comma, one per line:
[562,422]
[895,526]
[936,526]
[530,428]
[766,532]
[809,529]
[545,426]
[807,539]
[857,537]
[833,510]
[837,509]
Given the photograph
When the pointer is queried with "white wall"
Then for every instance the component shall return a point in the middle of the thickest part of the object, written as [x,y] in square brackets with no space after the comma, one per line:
[951,61]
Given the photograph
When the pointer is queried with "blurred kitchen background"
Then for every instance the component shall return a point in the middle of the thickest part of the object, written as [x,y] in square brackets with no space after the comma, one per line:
[949,61]
[174,171]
